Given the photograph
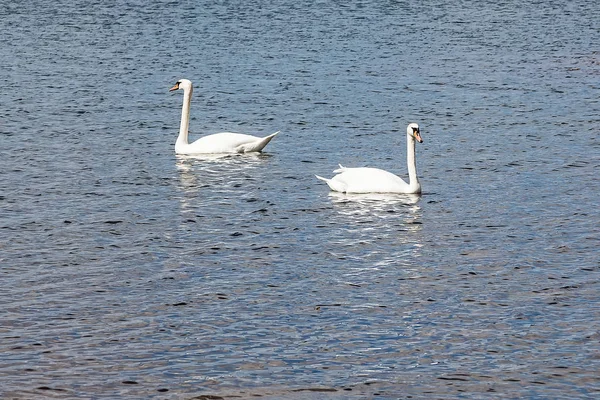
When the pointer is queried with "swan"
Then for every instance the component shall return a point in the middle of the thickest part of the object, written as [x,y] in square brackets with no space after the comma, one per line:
[224,142]
[375,180]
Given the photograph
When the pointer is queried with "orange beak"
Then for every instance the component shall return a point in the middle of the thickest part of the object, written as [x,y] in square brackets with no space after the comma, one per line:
[418,137]
[174,87]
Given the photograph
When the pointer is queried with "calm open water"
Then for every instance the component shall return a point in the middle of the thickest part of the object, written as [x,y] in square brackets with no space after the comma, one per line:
[128,272]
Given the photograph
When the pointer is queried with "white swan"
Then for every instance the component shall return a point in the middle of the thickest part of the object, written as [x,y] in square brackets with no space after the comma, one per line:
[224,142]
[375,180]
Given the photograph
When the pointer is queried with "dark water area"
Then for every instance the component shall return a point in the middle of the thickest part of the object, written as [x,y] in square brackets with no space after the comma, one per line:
[129,272]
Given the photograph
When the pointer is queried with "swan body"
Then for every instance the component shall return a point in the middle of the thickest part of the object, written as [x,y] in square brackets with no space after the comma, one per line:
[375,180]
[218,143]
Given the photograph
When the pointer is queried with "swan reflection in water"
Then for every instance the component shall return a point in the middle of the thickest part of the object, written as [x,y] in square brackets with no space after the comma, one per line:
[382,205]
[377,230]
[210,167]
[224,174]
[375,198]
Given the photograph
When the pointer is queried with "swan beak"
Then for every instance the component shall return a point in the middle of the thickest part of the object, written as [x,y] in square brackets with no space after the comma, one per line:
[418,137]
[174,87]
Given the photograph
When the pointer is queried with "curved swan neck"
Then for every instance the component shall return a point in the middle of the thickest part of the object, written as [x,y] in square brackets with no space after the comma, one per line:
[411,161]
[185,116]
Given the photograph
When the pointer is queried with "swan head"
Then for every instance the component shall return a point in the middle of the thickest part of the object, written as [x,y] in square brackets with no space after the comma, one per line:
[182,84]
[413,131]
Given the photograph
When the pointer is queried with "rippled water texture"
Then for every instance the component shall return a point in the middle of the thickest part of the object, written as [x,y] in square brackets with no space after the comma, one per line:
[128,272]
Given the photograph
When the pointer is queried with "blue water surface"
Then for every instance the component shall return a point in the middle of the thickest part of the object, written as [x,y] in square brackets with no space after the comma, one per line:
[129,272]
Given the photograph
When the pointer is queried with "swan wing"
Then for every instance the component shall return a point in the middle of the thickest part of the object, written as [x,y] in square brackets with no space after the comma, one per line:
[367,180]
[227,142]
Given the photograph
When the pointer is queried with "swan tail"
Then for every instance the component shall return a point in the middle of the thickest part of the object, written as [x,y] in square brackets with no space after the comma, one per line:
[333,184]
[256,146]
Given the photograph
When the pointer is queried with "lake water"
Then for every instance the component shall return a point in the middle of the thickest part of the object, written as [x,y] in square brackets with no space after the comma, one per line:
[128,272]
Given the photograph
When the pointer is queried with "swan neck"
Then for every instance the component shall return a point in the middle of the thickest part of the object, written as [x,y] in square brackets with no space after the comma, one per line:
[185,117]
[411,161]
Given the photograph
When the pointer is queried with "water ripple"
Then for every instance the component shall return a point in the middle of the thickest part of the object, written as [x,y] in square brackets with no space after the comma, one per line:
[129,272]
